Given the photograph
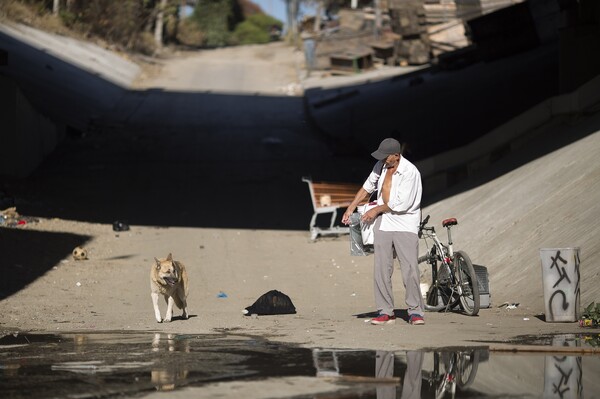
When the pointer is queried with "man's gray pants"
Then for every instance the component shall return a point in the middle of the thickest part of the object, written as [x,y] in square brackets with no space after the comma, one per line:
[406,245]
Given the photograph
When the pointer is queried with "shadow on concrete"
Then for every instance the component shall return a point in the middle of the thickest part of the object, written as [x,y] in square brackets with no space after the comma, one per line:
[233,160]
[28,254]
[68,94]
[559,132]
[435,110]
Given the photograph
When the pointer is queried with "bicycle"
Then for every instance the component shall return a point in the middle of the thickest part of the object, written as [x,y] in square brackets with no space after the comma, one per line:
[454,282]
[452,370]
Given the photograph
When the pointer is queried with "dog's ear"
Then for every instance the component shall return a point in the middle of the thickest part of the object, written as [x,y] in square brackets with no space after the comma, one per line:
[170,258]
[157,263]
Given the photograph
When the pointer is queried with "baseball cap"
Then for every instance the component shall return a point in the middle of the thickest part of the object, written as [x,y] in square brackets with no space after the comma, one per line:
[387,147]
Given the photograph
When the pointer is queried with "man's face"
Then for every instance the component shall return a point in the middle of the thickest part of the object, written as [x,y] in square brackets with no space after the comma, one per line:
[391,160]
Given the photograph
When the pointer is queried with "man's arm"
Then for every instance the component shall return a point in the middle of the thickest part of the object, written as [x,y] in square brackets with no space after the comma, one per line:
[360,196]
[407,193]
[372,214]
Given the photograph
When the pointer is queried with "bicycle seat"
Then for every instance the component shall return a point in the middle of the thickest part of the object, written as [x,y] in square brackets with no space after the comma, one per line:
[449,222]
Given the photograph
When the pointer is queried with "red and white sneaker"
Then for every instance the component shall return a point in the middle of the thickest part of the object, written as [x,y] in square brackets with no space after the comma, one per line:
[416,319]
[383,319]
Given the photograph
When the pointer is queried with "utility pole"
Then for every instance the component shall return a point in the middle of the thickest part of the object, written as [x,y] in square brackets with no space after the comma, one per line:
[56,7]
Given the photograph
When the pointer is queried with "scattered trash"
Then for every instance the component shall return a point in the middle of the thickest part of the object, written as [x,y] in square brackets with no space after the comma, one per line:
[525,318]
[11,218]
[353,294]
[80,253]
[510,305]
[271,303]
[78,284]
[221,294]
[120,226]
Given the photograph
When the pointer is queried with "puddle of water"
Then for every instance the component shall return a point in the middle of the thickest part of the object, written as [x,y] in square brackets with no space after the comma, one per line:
[589,340]
[205,366]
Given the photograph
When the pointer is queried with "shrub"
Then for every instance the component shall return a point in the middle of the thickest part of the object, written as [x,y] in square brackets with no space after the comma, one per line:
[264,21]
[248,33]
[69,19]
[145,43]
[212,17]
[16,11]
[256,29]
[189,33]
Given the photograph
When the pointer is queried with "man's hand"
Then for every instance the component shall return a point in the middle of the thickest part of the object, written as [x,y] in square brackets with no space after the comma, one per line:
[346,216]
[370,215]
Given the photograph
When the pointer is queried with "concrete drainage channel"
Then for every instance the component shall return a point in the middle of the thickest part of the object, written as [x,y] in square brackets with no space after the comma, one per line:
[80,365]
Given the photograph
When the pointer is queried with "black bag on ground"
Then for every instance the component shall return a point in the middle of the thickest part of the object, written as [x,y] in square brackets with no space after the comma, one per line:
[271,303]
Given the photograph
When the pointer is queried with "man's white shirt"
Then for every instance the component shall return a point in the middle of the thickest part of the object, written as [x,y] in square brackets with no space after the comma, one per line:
[405,196]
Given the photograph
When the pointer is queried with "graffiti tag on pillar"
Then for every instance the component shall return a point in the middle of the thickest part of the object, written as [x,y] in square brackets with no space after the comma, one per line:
[565,304]
[564,377]
[563,384]
[561,270]
[566,283]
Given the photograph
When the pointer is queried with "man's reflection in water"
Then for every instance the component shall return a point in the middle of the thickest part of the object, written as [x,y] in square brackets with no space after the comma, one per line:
[411,386]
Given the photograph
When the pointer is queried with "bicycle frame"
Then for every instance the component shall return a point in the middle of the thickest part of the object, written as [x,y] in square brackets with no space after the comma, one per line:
[455,280]
[447,250]
[443,253]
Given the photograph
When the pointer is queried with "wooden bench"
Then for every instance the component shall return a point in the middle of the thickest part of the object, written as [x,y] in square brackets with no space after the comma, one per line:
[327,197]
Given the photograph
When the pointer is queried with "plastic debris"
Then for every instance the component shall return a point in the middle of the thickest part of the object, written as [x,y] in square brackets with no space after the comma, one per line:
[508,305]
[120,226]
[221,294]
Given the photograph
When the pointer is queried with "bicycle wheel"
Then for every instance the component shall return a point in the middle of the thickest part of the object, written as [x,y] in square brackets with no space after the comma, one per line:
[439,296]
[467,368]
[467,279]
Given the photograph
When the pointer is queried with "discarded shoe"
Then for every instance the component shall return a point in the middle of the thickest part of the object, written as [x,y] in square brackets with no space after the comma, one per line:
[383,319]
[416,319]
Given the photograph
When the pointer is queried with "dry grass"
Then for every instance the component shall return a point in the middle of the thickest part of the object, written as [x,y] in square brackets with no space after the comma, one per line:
[17,11]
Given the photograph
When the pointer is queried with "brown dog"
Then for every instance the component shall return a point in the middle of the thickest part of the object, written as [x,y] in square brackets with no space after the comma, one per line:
[169,278]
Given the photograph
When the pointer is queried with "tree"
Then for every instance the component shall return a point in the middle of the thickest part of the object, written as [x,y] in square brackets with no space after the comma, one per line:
[158,25]
[292,8]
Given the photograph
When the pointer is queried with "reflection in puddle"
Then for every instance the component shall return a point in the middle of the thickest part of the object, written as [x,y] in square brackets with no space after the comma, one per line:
[207,366]
[168,378]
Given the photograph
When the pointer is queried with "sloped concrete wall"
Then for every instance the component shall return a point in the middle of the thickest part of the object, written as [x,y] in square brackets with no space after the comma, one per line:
[444,170]
[26,136]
